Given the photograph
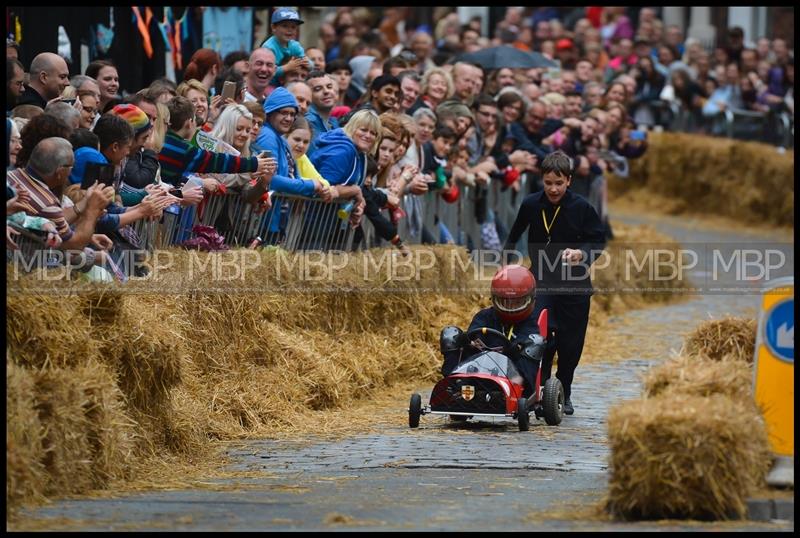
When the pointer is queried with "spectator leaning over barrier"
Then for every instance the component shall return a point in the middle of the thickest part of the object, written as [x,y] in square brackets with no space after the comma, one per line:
[48,76]
[281,109]
[299,139]
[376,199]
[45,178]
[140,167]
[233,127]
[259,117]
[341,156]
[178,157]
[728,96]
[122,133]
[324,94]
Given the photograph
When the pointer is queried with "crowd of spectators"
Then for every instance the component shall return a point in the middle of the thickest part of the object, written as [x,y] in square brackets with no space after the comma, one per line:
[372,115]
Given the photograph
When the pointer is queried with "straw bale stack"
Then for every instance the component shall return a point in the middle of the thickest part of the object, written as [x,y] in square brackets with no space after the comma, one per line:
[685,457]
[748,181]
[622,284]
[68,430]
[701,376]
[25,472]
[47,329]
[716,339]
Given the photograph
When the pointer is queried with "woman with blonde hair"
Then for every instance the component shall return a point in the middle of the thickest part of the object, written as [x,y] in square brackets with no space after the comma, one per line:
[160,127]
[90,108]
[341,156]
[232,130]
[195,92]
[437,86]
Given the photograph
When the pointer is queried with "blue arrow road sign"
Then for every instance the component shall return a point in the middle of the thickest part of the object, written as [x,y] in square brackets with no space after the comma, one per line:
[779,330]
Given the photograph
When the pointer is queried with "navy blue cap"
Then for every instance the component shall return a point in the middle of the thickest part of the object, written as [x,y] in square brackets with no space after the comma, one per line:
[285,14]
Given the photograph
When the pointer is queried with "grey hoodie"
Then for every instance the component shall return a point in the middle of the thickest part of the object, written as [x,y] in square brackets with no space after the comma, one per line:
[360,66]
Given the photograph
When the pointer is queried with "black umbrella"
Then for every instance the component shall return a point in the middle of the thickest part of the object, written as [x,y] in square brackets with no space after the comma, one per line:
[507,56]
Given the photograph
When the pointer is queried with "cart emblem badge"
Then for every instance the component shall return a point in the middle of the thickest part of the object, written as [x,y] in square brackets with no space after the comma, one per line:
[467,392]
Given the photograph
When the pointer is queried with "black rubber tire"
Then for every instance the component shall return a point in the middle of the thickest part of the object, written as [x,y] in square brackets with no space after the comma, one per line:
[553,401]
[523,418]
[414,410]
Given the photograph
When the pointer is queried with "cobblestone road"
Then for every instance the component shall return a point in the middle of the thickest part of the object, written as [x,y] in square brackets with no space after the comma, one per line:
[441,476]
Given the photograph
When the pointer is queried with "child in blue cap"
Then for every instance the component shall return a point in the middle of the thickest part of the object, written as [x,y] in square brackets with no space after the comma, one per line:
[283,42]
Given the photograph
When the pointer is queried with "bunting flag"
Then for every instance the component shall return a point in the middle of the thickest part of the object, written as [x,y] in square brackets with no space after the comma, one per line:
[180,32]
[143,26]
[165,30]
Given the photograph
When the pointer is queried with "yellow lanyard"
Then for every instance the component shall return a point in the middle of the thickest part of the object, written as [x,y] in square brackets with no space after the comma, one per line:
[548,227]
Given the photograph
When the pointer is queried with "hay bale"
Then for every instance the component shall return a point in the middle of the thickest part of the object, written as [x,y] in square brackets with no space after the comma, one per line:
[747,181]
[26,475]
[48,329]
[149,347]
[68,431]
[685,457]
[701,376]
[111,432]
[716,339]
[102,304]
[622,284]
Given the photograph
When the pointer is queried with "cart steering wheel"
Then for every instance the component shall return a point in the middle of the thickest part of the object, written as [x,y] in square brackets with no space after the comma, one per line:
[507,346]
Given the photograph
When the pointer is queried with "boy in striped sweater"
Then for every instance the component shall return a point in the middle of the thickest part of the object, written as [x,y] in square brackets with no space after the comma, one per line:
[178,158]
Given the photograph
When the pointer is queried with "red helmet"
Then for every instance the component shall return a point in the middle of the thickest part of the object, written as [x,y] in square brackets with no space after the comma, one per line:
[513,288]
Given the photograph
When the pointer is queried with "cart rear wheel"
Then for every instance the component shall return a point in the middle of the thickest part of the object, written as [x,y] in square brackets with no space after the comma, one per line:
[553,401]
[414,410]
[523,418]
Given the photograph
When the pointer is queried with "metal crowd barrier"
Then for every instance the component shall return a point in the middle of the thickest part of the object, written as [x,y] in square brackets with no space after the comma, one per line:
[773,127]
[293,222]
[463,221]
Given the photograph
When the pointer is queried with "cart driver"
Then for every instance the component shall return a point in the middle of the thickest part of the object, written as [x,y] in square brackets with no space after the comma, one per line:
[512,313]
